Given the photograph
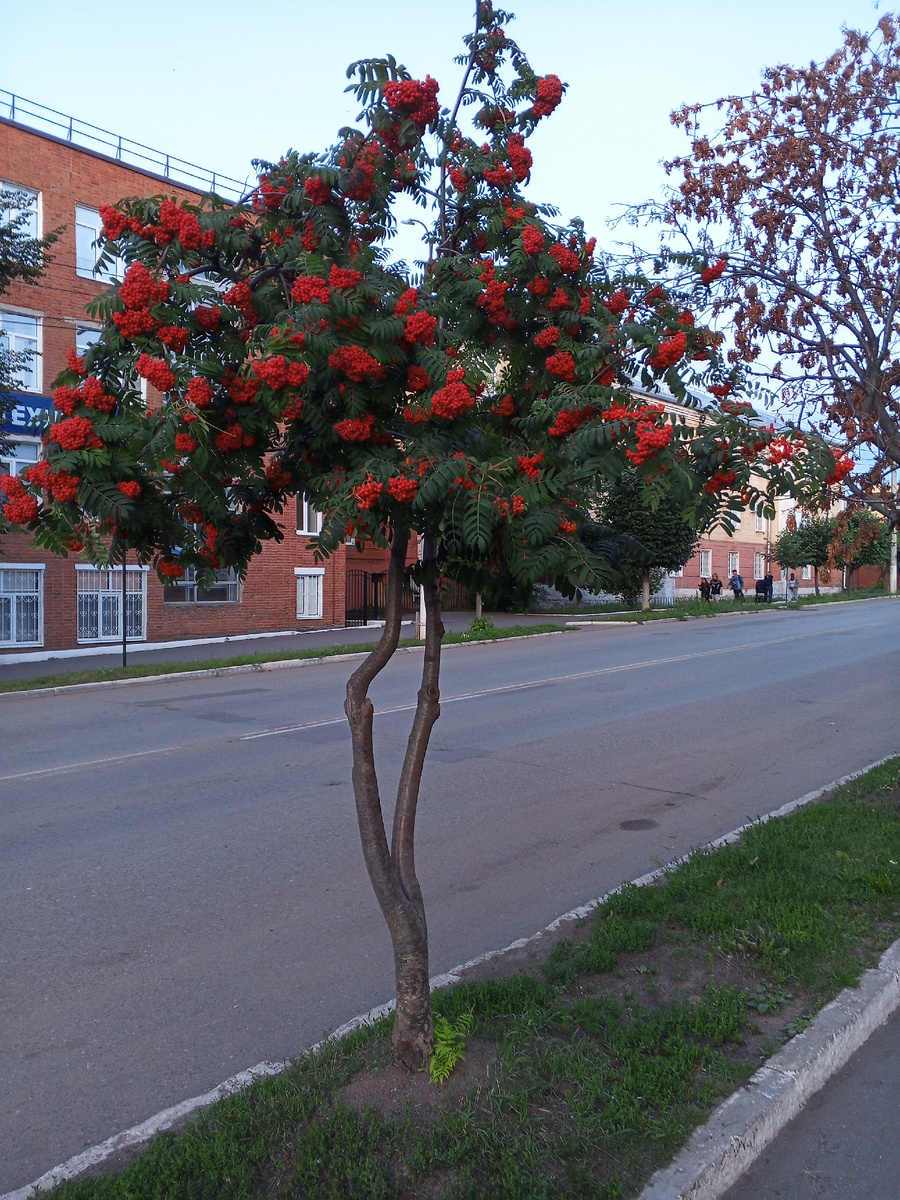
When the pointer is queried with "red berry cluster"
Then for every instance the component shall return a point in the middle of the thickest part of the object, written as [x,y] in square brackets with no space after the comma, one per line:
[75,361]
[569,420]
[155,371]
[417,379]
[368,494]
[406,302]
[403,490]
[651,438]
[530,464]
[184,443]
[720,480]
[519,157]
[549,94]
[130,488]
[669,353]
[493,299]
[278,478]
[170,569]
[415,98]
[355,429]
[567,526]
[174,337]
[20,508]
[569,262]
[499,176]
[532,240]
[562,365]
[138,288]
[343,278]
[842,468]
[135,322]
[458,178]
[208,317]
[710,274]
[357,364]
[317,189]
[505,408]
[420,328]
[241,391]
[278,374]
[617,302]
[310,287]
[185,226]
[59,484]
[454,399]
[75,433]
[241,298]
[559,300]
[199,392]
[547,337]
[233,438]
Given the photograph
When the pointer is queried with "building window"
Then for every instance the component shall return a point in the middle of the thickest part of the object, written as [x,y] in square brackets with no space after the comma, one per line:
[18,456]
[88,232]
[100,604]
[30,207]
[309,593]
[733,560]
[806,573]
[85,337]
[759,565]
[676,574]
[760,524]
[22,605]
[705,563]
[226,589]
[308,520]
[22,335]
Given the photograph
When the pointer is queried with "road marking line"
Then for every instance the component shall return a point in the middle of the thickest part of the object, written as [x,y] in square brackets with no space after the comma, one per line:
[94,762]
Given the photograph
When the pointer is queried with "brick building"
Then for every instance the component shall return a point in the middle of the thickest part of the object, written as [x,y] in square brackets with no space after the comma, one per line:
[50,603]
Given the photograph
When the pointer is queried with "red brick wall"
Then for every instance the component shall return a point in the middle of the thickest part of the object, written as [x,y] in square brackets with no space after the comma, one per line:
[66,175]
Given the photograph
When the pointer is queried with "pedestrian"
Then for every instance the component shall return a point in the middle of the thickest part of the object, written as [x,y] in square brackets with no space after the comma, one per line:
[770,587]
[736,583]
[793,588]
[715,587]
[704,588]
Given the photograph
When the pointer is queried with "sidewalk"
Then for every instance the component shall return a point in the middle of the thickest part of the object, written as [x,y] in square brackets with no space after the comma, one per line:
[290,642]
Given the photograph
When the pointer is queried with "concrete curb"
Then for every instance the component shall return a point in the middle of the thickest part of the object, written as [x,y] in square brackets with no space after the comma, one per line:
[718,1152]
[244,668]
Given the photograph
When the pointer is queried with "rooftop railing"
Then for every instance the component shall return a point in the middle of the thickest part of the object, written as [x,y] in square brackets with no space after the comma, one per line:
[135,154]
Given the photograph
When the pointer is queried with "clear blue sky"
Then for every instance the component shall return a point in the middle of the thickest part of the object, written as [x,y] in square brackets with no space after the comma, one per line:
[219,83]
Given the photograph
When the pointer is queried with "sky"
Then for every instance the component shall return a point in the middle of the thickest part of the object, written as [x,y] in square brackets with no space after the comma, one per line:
[220,83]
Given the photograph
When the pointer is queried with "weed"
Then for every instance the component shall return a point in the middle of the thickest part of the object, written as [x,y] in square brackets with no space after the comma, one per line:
[449,1043]
[767,998]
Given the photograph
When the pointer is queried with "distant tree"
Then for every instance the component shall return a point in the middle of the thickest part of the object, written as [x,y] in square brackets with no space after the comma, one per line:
[860,539]
[793,197]
[22,259]
[809,543]
[649,535]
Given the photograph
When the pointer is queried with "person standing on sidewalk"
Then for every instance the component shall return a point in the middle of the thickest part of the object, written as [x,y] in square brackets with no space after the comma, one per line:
[793,588]
[736,583]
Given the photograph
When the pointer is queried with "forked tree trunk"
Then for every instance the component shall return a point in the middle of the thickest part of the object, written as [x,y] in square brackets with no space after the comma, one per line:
[392,868]
[645,591]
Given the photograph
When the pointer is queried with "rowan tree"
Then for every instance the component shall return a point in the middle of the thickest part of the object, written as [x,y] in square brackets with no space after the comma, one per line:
[475,402]
[791,192]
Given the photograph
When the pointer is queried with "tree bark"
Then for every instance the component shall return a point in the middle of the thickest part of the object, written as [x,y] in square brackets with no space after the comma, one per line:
[645,591]
[392,869]
[478,606]
[816,578]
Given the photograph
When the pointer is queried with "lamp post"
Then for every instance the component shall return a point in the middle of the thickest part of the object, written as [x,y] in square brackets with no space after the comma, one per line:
[124,604]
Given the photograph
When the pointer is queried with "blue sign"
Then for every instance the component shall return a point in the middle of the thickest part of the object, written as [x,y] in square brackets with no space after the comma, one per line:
[30,414]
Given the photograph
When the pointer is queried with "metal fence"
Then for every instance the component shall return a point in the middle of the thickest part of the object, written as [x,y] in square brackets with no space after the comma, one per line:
[366,594]
[135,154]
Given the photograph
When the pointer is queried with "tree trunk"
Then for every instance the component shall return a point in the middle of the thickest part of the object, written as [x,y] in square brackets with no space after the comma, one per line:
[478,606]
[392,869]
[645,591]
[816,578]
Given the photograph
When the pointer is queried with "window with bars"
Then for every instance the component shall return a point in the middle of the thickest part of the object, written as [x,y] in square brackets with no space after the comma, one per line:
[760,524]
[759,565]
[22,605]
[100,604]
[706,563]
[309,593]
[226,589]
[733,560]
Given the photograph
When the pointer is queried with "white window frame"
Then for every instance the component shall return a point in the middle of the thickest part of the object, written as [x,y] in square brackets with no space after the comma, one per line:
[85,337]
[806,572]
[186,591]
[36,208]
[759,565]
[734,563]
[14,462]
[15,341]
[38,569]
[760,523]
[309,521]
[676,574]
[705,564]
[109,602]
[88,221]
[306,590]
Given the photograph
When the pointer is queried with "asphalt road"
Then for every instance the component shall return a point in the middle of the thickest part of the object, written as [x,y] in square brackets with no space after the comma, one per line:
[182,892]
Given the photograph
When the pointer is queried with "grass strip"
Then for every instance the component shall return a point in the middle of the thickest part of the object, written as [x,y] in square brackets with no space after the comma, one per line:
[587,1072]
[144,670]
[697,607]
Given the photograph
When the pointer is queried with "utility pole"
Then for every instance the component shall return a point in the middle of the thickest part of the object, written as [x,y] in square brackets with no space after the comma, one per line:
[893,566]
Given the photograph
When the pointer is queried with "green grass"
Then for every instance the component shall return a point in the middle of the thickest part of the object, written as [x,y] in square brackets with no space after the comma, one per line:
[143,670]
[682,609]
[596,1080]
